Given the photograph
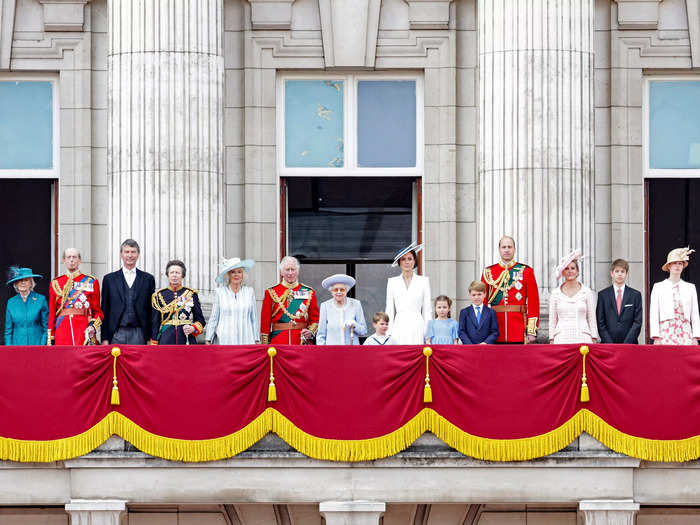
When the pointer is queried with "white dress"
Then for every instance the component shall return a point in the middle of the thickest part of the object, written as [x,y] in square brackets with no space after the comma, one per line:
[409,309]
[572,319]
[234,318]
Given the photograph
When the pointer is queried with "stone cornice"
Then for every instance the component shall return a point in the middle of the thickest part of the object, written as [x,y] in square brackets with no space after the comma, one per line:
[638,14]
[63,15]
[271,14]
[428,14]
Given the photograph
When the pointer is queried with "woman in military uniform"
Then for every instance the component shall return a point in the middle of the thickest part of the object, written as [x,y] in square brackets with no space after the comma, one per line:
[177,313]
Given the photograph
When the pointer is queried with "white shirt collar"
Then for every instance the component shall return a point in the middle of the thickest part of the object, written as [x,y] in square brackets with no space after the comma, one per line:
[478,306]
[616,287]
[132,271]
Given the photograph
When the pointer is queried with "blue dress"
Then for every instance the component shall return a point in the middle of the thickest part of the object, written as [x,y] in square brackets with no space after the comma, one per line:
[26,323]
[442,331]
[331,324]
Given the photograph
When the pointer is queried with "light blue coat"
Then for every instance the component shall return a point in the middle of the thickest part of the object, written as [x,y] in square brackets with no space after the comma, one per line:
[26,323]
[331,323]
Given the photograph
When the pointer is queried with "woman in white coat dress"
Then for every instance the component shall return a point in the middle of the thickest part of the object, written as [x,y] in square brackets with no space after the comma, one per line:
[673,309]
[408,303]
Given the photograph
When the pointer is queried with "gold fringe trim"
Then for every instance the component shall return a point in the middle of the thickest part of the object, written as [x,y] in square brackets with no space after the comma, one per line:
[350,450]
[163,447]
[668,450]
[504,449]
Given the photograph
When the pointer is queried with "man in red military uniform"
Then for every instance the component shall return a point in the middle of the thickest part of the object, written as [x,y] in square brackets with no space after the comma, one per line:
[74,305]
[289,310]
[511,290]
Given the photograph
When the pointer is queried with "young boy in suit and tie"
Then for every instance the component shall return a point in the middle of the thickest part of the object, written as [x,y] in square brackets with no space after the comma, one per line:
[619,310]
[478,323]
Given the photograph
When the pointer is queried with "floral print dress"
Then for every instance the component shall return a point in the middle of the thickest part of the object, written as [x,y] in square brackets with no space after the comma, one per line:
[677,330]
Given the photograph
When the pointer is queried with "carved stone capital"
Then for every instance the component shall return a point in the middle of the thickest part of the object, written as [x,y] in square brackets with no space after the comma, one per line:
[638,14]
[63,15]
[271,14]
[608,512]
[428,14]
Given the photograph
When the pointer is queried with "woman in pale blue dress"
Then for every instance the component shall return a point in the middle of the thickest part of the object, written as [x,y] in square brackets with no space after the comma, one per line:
[341,320]
[234,319]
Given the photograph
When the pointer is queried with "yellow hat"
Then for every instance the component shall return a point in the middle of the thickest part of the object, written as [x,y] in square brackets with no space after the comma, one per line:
[678,255]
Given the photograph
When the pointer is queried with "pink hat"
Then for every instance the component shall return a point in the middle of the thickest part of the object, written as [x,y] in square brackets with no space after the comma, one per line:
[574,255]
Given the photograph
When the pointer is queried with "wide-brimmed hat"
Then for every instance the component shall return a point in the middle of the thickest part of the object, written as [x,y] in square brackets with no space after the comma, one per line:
[17,274]
[231,264]
[678,255]
[414,247]
[573,255]
[338,278]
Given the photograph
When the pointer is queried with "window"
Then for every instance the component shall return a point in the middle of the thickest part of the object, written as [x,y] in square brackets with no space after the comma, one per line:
[336,225]
[350,125]
[28,128]
[672,127]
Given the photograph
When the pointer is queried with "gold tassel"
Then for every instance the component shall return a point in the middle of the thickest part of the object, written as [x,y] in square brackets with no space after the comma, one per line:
[115,389]
[272,389]
[585,396]
[427,391]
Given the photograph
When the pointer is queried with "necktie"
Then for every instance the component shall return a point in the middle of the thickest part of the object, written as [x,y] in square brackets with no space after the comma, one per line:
[478,315]
[619,300]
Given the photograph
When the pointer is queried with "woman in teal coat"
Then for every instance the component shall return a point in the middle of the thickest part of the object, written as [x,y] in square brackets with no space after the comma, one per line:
[27,315]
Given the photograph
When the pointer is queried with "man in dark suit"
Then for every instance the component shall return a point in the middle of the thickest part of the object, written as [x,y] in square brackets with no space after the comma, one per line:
[478,324]
[619,310]
[126,300]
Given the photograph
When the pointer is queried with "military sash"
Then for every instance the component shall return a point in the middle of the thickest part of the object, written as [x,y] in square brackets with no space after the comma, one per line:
[295,310]
[500,286]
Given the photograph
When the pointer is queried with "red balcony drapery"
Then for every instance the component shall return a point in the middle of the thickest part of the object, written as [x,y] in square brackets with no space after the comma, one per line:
[200,403]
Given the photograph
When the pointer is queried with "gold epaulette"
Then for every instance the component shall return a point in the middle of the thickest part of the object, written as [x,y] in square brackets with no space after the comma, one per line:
[307,286]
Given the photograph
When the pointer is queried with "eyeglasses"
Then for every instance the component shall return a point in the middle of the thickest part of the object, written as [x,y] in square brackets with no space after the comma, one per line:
[338,290]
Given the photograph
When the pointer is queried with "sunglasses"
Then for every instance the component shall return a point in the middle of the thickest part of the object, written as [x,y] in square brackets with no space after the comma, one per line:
[337,290]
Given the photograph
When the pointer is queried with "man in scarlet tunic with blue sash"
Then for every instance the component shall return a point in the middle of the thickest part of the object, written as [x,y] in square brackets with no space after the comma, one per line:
[74,305]
[289,311]
[511,290]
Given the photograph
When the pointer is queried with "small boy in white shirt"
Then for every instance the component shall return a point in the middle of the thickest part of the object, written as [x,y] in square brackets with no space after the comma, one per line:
[380,322]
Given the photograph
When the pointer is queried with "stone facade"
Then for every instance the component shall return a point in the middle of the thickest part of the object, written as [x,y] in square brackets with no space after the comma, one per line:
[117,125]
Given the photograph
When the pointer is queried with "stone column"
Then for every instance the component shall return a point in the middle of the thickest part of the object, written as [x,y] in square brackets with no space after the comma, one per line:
[352,512]
[609,512]
[96,511]
[165,156]
[536,131]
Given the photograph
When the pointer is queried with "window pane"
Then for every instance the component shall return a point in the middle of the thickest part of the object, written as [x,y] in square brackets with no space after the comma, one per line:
[348,219]
[371,288]
[314,274]
[26,125]
[313,115]
[674,124]
[386,124]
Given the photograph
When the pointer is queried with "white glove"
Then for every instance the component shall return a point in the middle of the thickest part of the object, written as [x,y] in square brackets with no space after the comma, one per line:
[350,323]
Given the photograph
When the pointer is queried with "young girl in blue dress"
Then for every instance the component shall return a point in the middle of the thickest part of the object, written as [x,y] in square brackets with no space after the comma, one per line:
[443,330]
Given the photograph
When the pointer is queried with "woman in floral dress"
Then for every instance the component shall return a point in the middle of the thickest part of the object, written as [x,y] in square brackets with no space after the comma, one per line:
[673,312]
[177,314]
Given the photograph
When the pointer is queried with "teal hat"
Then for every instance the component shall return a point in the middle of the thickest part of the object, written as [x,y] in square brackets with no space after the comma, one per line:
[231,264]
[17,274]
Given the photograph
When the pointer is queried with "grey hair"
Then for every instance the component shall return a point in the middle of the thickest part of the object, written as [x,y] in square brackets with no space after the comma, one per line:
[76,251]
[130,243]
[287,259]
[14,285]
